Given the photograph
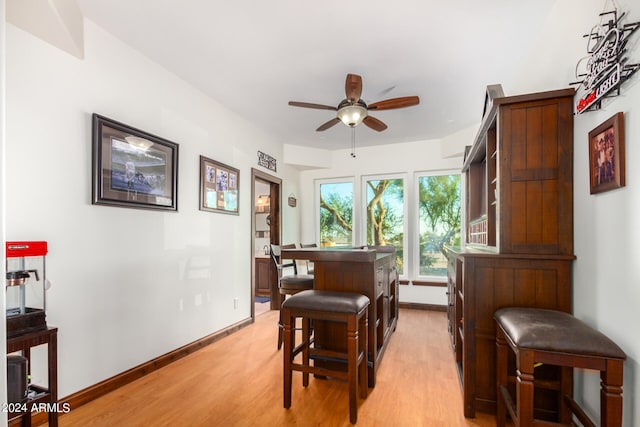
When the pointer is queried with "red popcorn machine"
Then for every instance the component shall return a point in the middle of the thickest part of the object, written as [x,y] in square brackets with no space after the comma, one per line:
[25,287]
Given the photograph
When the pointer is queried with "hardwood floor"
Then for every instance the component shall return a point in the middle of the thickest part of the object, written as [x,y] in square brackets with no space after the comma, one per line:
[237,381]
[261,307]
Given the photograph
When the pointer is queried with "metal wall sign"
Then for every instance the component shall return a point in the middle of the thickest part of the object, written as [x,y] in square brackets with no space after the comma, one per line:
[266,161]
[606,66]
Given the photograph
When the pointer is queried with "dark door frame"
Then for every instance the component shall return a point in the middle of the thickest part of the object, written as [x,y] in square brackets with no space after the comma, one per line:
[275,192]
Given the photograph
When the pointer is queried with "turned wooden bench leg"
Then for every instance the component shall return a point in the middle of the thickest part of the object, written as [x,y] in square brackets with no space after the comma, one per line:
[306,341]
[363,375]
[352,368]
[611,393]
[502,362]
[524,387]
[566,389]
[288,331]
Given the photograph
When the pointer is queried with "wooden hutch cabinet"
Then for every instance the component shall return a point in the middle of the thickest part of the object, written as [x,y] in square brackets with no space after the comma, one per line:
[518,246]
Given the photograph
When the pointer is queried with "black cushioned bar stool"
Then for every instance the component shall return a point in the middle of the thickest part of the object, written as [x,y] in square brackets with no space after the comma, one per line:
[556,338]
[343,307]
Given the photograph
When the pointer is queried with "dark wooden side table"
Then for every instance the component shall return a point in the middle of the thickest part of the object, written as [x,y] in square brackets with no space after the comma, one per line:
[46,397]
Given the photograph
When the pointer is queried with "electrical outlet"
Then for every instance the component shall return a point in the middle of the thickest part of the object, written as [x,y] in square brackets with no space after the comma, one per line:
[235,303]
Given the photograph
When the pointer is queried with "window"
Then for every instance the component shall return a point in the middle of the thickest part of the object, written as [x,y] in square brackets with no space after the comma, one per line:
[336,213]
[417,217]
[439,221]
[385,210]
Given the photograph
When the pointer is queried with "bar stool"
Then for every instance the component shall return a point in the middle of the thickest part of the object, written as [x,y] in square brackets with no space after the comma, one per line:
[343,307]
[556,338]
[288,284]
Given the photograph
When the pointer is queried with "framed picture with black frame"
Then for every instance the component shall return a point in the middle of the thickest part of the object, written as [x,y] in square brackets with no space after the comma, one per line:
[132,168]
[219,187]
[606,155]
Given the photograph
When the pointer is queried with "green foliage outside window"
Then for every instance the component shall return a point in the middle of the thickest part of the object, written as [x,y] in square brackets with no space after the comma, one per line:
[439,204]
[336,214]
[385,215]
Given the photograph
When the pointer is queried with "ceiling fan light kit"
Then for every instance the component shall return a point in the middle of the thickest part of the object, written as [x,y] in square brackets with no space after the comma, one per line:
[352,114]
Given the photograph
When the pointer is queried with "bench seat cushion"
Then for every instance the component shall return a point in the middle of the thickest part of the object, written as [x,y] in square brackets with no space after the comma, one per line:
[556,331]
[329,301]
[297,282]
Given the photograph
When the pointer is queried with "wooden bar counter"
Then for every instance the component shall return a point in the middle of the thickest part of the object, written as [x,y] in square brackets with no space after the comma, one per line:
[370,271]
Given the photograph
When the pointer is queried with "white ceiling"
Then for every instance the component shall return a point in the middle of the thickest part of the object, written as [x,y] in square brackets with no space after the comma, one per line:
[253,56]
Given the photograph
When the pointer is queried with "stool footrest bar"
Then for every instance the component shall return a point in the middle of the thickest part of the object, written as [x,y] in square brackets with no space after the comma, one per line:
[578,412]
[511,406]
[319,371]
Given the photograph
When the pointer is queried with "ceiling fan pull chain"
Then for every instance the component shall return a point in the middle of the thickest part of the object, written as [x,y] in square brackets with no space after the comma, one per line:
[353,142]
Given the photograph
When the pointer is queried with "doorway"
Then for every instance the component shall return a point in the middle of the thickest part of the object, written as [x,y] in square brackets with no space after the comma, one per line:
[265,224]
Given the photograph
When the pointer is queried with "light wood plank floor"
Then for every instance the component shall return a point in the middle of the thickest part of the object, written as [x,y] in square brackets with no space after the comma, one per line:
[237,381]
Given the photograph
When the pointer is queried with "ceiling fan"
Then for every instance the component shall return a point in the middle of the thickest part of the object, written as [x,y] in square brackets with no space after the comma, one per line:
[353,110]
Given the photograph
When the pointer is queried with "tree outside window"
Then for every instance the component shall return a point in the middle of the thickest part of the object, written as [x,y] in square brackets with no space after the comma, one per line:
[336,214]
[385,215]
[439,223]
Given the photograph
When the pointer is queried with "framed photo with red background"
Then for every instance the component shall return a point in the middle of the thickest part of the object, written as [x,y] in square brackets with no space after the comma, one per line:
[606,155]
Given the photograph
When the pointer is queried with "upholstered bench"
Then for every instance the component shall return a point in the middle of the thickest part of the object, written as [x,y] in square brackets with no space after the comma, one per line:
[540,336]
[348,308]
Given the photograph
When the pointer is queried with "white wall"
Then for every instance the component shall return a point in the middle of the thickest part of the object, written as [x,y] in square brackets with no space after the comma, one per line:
[606,282]
[128,285]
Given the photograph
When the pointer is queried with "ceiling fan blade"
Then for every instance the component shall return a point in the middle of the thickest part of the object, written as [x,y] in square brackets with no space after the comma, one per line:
[353,87]
[329,124]
[389,104]
[310,105]
[374,123]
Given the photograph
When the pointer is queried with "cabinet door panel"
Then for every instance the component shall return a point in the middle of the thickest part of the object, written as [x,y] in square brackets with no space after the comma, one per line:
[550,233]
[262,275]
